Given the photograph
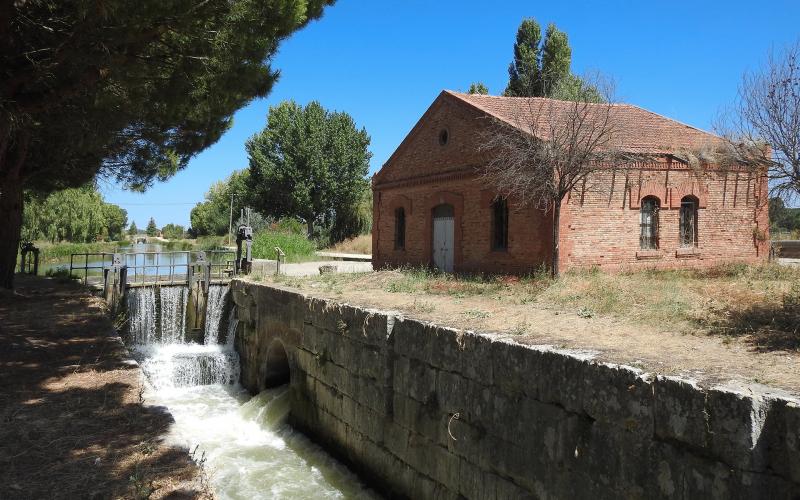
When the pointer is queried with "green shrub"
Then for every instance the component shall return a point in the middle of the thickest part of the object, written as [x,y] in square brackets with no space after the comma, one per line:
[296,246]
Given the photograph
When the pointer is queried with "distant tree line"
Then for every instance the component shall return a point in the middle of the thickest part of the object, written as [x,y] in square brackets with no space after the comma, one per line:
[75,215]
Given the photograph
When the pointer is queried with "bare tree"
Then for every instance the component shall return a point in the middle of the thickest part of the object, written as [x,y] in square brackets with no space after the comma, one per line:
[763,128]
[549,147]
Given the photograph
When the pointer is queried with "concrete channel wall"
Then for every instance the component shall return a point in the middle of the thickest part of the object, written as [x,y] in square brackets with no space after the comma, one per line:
[430,412]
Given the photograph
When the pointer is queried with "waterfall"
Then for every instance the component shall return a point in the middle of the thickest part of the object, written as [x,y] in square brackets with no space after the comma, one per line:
[158,333]
[142,315]
[233,324]
[173,314]
[186,365]
[215,306]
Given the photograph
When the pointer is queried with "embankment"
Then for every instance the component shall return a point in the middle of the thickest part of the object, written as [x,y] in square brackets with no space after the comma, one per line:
[432,412]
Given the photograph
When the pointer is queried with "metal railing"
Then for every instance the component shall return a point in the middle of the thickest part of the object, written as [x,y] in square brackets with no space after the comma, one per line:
[154,267]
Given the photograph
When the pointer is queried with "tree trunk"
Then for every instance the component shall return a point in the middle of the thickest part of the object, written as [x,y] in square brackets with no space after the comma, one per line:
[556,223]
[310,228]
[10,227]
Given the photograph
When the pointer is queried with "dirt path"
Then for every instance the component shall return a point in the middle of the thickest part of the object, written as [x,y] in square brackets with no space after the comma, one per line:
[72,419]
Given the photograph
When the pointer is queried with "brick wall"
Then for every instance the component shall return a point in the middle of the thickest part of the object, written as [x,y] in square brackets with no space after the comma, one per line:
[599,224]
[529,234]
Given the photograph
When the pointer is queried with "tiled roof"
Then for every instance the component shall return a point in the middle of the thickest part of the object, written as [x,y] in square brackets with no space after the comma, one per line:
[636,130]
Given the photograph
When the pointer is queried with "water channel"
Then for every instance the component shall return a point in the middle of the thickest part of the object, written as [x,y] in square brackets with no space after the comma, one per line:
[249,449]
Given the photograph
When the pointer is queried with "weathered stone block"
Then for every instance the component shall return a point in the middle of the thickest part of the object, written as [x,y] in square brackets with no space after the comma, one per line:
[477,351]
[413,339]
[680,411]
[619,395]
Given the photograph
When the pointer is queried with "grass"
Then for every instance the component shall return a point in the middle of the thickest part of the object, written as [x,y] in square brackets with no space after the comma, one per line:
[296,246]
[762,301]
[55,252]
[360,244]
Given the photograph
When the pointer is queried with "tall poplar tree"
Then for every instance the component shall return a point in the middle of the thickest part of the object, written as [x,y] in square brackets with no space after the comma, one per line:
[556,59]
[524,72]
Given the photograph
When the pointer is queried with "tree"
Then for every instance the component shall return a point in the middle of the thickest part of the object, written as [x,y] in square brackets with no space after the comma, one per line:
[309,163]
[541,67]
[556,59]
[79,215]
[173,231]
[550,148]
[133,230]
[125,90]
[116,220]
[763,128]
[478,88]
[524,78]
[152,229]
[212,216]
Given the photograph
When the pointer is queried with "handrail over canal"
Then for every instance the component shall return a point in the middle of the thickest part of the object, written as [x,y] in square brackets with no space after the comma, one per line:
[166,268]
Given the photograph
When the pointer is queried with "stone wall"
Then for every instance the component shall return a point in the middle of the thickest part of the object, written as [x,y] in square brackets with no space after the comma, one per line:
[431,412]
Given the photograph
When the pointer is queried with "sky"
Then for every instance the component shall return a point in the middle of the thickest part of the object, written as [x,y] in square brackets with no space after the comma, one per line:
[385,61]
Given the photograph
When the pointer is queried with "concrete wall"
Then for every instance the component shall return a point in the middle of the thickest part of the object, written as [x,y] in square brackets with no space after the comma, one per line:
[382,392]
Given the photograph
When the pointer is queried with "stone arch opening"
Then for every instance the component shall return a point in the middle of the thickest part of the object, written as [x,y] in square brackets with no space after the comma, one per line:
[277,370]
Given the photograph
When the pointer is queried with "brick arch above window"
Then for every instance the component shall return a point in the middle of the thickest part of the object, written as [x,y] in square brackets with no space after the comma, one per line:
[400,201]
[682,190]
[653,189]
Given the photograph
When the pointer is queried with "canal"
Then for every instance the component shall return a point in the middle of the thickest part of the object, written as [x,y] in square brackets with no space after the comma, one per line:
[248,449]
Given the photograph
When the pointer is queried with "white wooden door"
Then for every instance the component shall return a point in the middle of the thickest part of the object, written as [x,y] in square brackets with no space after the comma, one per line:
[443,238]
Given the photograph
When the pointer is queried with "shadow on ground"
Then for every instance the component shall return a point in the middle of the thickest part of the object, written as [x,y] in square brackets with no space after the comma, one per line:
[766,327]
[72,422]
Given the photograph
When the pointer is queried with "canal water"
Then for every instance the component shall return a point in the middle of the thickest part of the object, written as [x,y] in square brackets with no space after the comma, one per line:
[248,449]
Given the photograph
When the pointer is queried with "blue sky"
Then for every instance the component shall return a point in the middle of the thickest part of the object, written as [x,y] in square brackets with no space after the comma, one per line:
[385,61]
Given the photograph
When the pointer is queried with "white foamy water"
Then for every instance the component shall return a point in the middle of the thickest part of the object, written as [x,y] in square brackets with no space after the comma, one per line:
[182,365]
[142,314]
[173,313]
[215,305]
[250,451]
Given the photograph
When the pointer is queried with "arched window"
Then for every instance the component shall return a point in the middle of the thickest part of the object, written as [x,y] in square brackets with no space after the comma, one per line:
[500,224]
[688,222]
[648,235]
[400,228]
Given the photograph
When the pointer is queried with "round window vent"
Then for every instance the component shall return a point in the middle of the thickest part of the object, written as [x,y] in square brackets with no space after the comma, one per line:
[443,136]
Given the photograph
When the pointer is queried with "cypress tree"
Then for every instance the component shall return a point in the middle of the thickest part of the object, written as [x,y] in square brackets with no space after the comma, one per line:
[524,73]
[556,59]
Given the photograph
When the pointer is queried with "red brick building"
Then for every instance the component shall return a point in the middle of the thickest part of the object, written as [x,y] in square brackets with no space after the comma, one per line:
[431,206]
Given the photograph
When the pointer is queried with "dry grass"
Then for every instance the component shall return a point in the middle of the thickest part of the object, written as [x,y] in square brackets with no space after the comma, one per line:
[732,321]
[73,423]
[360,244]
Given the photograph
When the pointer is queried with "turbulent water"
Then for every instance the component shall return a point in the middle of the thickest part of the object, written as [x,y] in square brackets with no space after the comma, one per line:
[250,451]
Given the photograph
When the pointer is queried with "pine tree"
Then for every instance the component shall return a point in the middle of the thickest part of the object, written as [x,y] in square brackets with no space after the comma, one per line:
[556,59]
[133,230]
[524,75]
[152,229]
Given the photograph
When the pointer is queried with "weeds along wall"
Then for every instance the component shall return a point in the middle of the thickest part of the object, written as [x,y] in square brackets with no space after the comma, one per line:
[430,412]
